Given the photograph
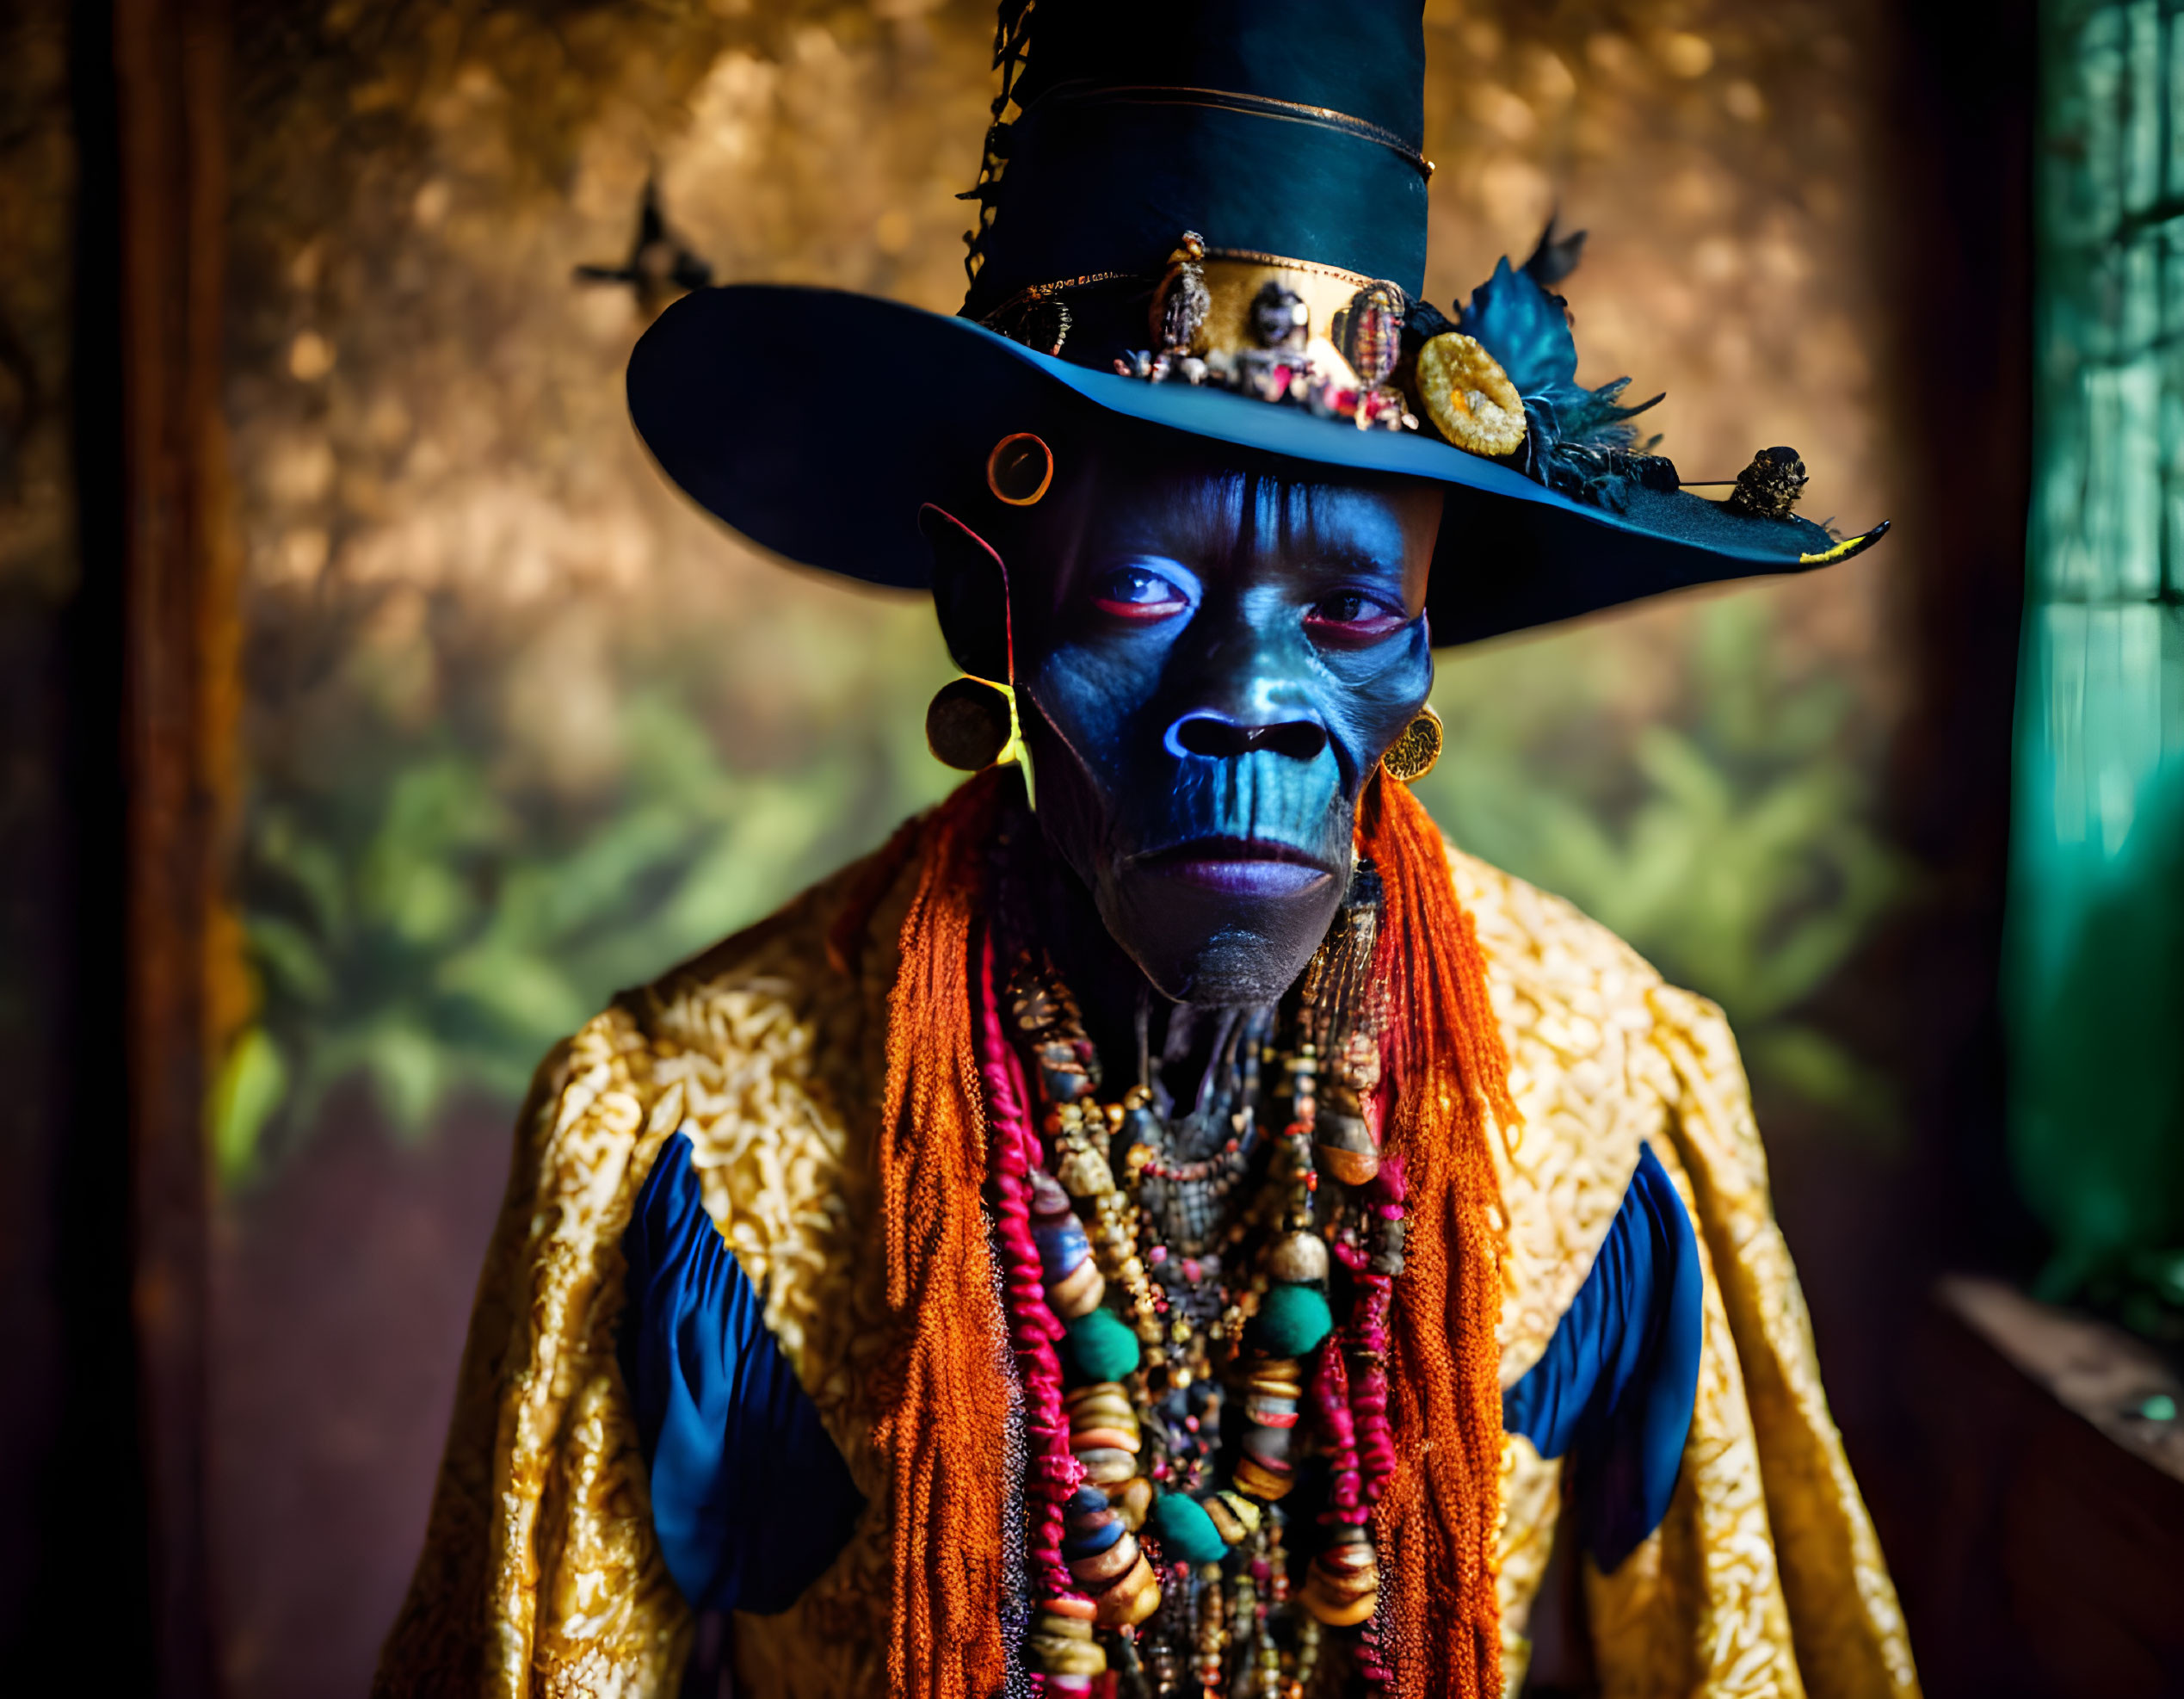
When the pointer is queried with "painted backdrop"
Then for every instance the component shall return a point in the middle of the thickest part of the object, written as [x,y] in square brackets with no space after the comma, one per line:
[520,727]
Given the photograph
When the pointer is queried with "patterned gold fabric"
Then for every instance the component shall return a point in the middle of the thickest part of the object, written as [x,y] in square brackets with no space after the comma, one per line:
[540,1575]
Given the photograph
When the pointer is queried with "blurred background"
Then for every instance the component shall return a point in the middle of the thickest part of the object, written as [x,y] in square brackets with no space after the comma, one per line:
[345,629]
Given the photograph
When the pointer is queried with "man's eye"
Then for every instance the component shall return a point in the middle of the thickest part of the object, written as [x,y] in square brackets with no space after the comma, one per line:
[1135,593]
[1349,615]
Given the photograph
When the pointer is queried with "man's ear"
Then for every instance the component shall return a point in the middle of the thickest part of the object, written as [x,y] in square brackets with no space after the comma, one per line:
[970,594]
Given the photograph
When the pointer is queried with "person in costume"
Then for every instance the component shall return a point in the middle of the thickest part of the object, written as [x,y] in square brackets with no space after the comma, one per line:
[1168,1223]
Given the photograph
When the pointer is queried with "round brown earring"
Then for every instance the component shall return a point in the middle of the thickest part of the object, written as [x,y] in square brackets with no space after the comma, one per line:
[971,723]
[1411,756]
[1020,469]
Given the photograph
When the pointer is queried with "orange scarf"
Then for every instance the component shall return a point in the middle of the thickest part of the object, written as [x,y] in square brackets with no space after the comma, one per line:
[1441,1619]
[947,1392]
[947,1395]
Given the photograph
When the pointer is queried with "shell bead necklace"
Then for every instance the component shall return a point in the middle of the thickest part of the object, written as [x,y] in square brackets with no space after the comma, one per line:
[1198,1308]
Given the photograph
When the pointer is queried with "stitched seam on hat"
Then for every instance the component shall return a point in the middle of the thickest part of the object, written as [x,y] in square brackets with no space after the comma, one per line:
[1258,105]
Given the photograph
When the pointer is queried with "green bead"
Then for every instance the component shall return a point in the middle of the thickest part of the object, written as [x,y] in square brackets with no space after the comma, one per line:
[1291,1320]
[1186,1533]
[1101,1346]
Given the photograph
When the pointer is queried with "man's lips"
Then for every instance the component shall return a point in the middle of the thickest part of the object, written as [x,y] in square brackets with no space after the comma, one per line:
[1238,867]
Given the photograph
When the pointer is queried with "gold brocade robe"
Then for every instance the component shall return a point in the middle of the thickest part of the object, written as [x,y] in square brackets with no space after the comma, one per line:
[540,1575]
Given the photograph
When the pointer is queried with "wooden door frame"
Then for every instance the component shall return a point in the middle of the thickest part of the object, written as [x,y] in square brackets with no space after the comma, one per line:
[153,646]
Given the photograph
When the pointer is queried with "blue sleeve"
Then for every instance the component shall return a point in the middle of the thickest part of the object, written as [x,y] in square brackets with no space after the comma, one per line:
[1620,1376]
[750,1499]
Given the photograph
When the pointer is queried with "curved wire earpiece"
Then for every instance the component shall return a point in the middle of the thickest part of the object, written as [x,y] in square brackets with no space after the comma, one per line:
[971,722]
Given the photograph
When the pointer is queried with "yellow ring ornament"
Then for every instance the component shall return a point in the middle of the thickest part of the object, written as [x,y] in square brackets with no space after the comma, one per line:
[1468,397]
[1412,756]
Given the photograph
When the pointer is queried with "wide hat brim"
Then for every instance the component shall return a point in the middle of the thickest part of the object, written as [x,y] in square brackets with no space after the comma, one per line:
[817,422]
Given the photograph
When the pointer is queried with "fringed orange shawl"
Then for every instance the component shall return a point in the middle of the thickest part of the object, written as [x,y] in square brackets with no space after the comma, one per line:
[947,1395]
[1440,1619]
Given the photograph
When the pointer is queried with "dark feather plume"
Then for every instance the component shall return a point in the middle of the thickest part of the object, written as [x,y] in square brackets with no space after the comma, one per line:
[1556,256]
[1577,441]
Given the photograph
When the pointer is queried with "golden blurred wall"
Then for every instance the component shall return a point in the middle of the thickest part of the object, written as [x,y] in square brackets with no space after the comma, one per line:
[522,726]
[486,637]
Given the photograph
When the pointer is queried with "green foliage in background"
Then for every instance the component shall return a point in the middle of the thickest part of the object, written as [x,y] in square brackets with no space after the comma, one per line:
[419,921]
[422,925]
[1728,837]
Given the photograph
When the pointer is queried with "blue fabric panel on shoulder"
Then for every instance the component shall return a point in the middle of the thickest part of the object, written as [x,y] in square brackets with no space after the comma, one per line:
[751,1499]
[1619,1378]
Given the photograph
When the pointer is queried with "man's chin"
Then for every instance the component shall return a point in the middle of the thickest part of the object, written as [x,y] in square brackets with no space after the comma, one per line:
[1220,931]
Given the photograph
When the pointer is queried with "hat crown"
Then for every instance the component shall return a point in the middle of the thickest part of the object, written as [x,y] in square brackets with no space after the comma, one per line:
[1364,58]
[1266,126]
[1209,220]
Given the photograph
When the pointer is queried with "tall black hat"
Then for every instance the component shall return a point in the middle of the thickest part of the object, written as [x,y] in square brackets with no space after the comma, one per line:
[1209,216]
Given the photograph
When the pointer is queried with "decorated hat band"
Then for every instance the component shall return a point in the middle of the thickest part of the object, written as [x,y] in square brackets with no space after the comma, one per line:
[1309,335]
[1298,331]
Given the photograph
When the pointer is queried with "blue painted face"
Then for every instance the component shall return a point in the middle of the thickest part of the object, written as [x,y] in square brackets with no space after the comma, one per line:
[1211,657]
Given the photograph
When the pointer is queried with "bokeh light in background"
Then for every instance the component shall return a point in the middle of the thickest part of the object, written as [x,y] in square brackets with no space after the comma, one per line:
[522,727]
[1698,774]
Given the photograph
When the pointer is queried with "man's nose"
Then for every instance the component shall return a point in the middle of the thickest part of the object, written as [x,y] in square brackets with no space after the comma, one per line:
[1219,736]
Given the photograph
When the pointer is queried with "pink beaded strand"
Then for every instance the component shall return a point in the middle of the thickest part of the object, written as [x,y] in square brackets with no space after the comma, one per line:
[1052,1472]
[1368,1342]
[1330,1395]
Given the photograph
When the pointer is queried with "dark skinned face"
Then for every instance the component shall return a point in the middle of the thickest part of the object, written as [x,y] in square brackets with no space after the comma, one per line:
[1211,658]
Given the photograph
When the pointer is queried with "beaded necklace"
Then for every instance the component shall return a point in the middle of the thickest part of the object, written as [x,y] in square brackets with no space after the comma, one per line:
[1200,1327]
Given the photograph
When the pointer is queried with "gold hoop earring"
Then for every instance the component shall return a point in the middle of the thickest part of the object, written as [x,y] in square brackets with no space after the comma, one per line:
[1020,469]
[970,724]
[1411,756]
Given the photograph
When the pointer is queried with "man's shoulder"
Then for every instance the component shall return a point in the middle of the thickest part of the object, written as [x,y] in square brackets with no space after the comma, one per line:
[1553,964]
[765,1050]
[1582,1015]
[824,958]
[782,1022]
[1547,956]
